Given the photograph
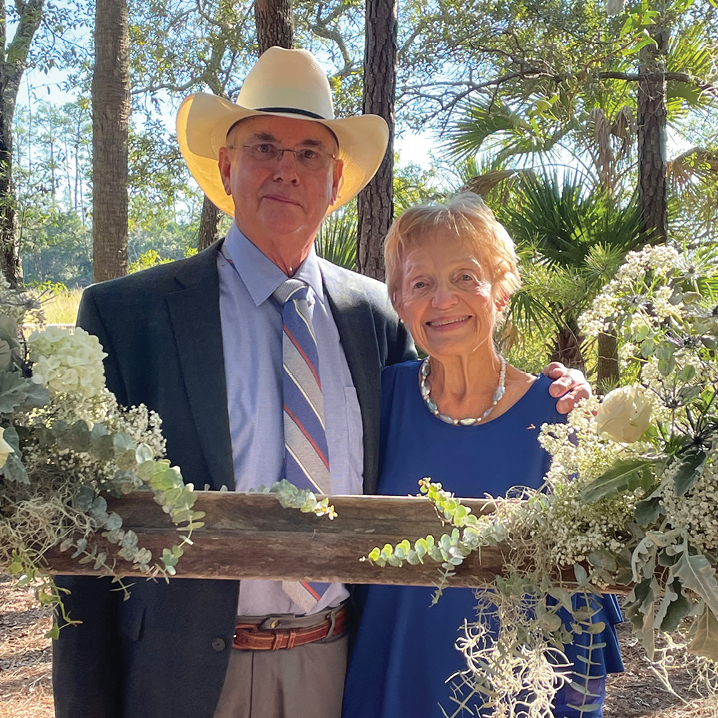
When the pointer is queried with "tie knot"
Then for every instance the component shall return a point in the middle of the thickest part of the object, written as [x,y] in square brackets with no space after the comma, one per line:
[291,289]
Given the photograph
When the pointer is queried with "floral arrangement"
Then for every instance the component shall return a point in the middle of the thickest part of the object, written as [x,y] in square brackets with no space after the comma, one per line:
[631,499]
[65,443]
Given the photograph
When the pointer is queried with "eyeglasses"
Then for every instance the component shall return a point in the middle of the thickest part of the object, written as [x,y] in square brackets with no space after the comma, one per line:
[308,158]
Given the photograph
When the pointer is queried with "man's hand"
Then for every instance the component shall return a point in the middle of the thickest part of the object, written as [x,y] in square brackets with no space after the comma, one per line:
[570,384]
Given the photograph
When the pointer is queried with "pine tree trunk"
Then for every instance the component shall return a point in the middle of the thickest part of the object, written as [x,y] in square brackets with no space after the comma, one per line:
[652,166]
[208,224]
[274,24]
[566,348]
[13,59]
[110,122]
[607,370]
[10,254]
[376,200]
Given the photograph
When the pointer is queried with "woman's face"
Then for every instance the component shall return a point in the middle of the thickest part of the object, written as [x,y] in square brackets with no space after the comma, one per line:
[446,297]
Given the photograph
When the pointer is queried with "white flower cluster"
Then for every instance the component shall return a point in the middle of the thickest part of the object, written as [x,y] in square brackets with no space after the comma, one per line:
[567,526]
[143,425]
[656,261]
[67,362]
[22,307]
[696,512]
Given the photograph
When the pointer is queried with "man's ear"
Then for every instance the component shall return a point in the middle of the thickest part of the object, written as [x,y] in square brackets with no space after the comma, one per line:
[337,179]
[225,167]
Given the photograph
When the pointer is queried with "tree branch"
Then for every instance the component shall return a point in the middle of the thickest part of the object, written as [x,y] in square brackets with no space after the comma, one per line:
[320,27]
[30,14]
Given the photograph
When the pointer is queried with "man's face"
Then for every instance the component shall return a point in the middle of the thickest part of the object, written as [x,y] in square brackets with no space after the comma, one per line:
[279,205]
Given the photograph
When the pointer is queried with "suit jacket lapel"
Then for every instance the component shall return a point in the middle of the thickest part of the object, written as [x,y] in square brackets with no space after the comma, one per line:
[194,310]
[355,324]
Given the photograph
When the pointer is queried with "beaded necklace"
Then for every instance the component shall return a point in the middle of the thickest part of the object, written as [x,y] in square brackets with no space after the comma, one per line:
[425,388]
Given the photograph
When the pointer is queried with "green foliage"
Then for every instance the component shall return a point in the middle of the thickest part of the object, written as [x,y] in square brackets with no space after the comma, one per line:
[622,477]
[290,497]
[150,258]
[450,549]
[336,240]
[571,238]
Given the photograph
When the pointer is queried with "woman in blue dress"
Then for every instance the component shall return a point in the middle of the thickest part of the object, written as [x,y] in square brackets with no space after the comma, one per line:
[469,421]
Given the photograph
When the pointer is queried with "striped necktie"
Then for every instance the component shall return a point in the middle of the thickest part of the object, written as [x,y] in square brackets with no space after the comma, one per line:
[306,455]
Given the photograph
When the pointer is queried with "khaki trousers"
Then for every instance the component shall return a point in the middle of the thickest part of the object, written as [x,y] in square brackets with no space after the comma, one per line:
[302,682]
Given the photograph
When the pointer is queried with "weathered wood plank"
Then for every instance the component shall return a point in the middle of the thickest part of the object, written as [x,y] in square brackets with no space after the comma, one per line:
[252,536]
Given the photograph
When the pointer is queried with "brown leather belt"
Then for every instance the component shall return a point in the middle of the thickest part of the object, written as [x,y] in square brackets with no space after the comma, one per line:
[250,637]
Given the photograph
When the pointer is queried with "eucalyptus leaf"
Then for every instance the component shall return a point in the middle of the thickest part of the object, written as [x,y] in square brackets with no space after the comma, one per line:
[113,522]
[687,394]
[99,430]
[84,497]
[80,436]
[686,374]
[580,573]
[102,447]
[602,558]
[123,442]
[144,453]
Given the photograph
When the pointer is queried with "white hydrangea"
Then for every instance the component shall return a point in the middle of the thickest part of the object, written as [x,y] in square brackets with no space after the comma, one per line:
[68,362]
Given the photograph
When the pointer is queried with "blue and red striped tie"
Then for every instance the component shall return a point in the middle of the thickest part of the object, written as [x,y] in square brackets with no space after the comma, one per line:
[306,453]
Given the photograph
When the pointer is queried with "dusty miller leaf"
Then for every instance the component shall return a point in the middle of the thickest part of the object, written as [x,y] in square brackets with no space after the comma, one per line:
[13,391]
[697,574]
[674,607]
[648,511]
[705,636]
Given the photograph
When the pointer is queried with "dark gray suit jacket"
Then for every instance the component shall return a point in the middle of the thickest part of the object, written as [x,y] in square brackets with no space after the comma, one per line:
[163,653]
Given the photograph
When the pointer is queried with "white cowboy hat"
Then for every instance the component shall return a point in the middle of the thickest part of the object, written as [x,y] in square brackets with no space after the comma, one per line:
[288,83]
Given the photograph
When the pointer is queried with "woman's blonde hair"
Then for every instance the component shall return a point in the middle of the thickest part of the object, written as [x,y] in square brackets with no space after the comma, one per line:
[466,216]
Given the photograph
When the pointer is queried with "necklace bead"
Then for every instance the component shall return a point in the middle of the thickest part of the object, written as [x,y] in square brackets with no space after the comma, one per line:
[425,389]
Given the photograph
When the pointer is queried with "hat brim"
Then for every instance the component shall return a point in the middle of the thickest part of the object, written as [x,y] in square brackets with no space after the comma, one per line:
[203,121]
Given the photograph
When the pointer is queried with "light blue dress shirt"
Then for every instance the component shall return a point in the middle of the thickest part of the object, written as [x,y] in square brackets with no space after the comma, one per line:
[252,344]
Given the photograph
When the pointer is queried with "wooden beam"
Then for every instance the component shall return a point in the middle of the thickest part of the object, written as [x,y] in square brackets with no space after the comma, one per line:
[252,536]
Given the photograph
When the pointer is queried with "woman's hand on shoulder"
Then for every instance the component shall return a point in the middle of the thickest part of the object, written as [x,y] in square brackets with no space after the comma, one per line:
[568,384]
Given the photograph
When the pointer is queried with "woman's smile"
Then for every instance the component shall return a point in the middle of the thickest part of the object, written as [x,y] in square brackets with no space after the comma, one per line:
[448,323]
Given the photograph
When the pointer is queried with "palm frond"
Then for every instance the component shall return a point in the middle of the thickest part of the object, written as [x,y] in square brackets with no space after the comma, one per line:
[336,240]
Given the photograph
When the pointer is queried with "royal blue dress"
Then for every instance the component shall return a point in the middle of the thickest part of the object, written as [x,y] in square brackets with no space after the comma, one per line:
[404,652]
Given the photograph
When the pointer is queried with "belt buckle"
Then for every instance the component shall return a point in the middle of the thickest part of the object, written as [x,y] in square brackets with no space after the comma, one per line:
[251,627]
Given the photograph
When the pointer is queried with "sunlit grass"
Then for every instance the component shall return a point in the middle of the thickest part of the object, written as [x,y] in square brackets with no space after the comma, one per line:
[61,308]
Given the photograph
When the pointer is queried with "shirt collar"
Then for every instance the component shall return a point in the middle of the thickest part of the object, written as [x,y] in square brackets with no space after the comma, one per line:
[260,275]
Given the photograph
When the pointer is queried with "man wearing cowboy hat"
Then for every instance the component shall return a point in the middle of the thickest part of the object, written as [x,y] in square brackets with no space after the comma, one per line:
[264,362]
